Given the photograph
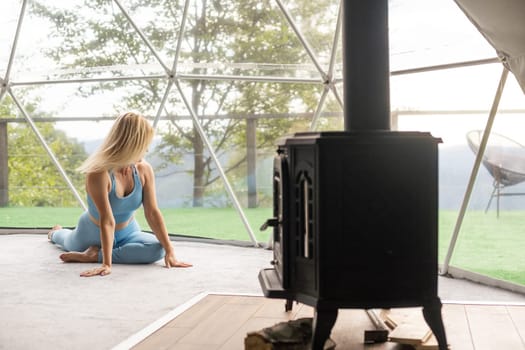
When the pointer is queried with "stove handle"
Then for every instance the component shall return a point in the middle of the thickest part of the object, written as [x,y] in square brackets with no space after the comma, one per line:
[273,222]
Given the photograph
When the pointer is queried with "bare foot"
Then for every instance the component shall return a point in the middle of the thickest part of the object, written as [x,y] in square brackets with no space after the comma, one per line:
[88,255]
[50,233]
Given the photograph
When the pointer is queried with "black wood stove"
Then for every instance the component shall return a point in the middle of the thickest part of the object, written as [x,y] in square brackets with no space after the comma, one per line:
[355,221]
[355,224]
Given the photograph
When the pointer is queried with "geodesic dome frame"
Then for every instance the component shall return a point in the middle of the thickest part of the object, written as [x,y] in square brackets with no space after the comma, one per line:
[174,77]
[326,74]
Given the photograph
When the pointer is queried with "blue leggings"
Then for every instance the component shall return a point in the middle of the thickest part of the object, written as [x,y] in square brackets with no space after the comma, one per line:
[130,246]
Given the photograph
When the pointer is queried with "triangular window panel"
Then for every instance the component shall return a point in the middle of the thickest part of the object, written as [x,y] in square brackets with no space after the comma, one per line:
[80,40]
[315,24]
[330,114]
[247,39]
[8,21]
[430,33]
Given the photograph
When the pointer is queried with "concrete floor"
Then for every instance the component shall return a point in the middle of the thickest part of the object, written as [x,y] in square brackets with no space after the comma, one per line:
[44,304]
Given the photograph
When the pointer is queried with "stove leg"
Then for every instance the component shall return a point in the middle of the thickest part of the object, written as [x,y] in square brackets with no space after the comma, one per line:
[434,319]
[288,305]
[324,320]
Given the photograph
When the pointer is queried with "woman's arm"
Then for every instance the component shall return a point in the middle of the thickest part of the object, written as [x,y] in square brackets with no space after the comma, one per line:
[97,185]
[154,216]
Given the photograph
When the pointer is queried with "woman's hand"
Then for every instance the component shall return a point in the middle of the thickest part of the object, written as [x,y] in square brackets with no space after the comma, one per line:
[171,261]
[102,271]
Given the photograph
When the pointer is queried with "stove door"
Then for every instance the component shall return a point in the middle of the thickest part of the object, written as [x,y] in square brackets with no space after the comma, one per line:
[281,237]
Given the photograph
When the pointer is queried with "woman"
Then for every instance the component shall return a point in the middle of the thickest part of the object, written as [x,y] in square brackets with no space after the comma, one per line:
[118,181]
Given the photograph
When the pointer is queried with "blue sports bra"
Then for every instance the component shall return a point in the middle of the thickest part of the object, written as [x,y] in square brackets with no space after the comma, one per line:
[122,207]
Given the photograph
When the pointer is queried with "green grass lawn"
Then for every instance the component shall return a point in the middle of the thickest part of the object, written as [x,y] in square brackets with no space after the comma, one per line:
[218,223]
[486,244]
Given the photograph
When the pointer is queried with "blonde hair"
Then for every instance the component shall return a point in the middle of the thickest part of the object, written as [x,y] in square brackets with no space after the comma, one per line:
[127,141]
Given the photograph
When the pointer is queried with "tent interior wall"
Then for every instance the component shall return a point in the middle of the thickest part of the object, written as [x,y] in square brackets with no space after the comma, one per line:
[448,60]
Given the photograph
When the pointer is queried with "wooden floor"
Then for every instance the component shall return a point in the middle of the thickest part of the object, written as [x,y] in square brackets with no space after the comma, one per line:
[222,322]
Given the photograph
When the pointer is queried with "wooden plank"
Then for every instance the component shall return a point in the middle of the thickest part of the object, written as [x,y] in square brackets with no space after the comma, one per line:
[406,315]
[430,344]
[222,322]
[492,328]
[187,346]
[410,326]
[236,341]
[415,333]
[246,299]
[349,330]
[457,327]
[269,313]
[199,311]
[274,308]
[219,326]
[162,339]
[517,314]
[303,310]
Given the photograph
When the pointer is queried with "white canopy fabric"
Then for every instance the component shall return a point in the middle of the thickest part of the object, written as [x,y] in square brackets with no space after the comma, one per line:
[502,24]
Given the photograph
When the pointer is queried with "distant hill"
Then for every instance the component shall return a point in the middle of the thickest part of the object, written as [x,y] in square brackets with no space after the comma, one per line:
[91,145]
[455,166]
[175,186]
[175,183]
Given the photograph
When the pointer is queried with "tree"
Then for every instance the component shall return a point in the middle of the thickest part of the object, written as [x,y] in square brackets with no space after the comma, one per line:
[33,178]
[249,31]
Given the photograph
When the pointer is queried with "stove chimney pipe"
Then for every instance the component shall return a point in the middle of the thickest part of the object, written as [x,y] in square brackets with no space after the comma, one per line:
[366,69]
